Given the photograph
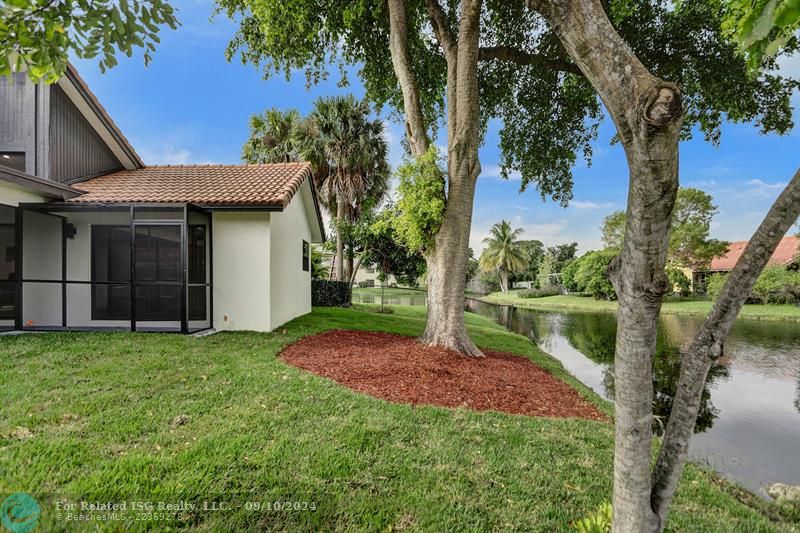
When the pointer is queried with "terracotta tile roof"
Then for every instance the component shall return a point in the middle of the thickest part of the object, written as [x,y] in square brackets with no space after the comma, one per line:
[269,185]
[785,253]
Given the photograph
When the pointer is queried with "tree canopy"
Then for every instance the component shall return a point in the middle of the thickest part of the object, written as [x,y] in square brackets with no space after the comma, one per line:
[548,111]
[690,244]
[37,36]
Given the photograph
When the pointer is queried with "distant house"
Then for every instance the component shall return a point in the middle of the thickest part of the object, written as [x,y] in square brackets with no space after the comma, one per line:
[787,254]
[91,238]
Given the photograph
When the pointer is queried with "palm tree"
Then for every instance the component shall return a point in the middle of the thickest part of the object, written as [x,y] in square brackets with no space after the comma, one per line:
[503,253]
[347,151]
[341,139]
[273,137]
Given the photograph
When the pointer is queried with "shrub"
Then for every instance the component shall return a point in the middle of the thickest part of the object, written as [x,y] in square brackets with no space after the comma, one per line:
[590,274]
[328,293]
[776,285]
[714,285]
[538,293]
[568,276]
[680,282]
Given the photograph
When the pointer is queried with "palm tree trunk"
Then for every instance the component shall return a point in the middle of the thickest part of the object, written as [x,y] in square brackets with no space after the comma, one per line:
[340,213]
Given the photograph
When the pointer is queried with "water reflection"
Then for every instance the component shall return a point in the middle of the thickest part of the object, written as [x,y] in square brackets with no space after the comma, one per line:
[749,423]
[592,335]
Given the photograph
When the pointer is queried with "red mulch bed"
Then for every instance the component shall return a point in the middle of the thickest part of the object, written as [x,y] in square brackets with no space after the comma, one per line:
[400,369]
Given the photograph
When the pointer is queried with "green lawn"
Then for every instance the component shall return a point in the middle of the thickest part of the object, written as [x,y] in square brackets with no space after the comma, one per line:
[687,307]
[92,415]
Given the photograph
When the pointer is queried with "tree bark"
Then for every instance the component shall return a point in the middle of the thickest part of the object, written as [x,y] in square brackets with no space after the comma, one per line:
[341,209]
[503,281]
[447,261]
[348,267]
[354,271]
[707,345]
[648,115]
[416,132]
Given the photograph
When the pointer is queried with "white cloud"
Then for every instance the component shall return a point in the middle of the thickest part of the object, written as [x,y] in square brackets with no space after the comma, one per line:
[493,171]
[170,155]
[762,188]
[760,183]
[590,205]
[702,184]
[165,155]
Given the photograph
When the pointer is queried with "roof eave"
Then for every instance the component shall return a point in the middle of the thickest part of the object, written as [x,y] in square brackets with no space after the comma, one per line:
[46,188]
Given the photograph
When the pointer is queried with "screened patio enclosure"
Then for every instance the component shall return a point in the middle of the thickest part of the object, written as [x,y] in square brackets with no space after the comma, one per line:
[137,267]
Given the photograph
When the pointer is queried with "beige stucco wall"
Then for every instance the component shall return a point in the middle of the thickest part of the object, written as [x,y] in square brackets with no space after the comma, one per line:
[241,244]
[13,196]
[290,296]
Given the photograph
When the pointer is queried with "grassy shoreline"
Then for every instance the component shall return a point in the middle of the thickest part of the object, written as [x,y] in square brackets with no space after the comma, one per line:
[685,307]
[109,416]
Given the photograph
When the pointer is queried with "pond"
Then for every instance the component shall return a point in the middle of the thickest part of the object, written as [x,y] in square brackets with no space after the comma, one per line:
[749,424]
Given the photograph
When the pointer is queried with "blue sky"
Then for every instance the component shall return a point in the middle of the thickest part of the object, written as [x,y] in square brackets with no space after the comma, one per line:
[192,106]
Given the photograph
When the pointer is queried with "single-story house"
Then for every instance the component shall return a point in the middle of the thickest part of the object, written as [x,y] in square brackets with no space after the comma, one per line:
[786,255]
[91,238]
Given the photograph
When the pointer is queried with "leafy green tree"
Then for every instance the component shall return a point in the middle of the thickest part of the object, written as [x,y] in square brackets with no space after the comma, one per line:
[384,250]
[547,268]
[37,36]
[562,255]
[534,252]
[762,27]
[589,274]
[503,253]
[690,244]
[613,229]
[531,78]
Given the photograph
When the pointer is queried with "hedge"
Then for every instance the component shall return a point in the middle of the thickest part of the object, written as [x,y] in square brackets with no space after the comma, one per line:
[327,293]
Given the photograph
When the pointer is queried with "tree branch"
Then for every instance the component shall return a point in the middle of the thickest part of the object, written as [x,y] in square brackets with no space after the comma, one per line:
[707,344]
[401,61]
[521,57]
[441,28]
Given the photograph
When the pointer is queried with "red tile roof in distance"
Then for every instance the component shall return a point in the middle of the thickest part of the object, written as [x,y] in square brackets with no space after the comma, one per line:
[268,185]
[785,253]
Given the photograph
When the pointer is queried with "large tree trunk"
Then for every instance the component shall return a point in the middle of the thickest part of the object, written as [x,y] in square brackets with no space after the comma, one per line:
[707,344]
[447,262]
[341,207]
[648,115]
[503,281]
[447,278]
